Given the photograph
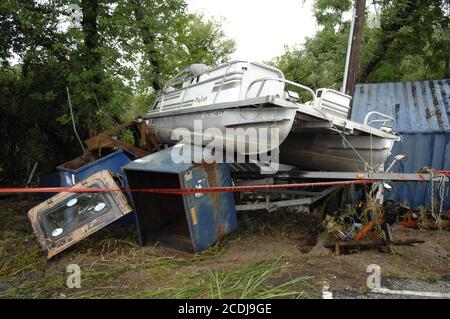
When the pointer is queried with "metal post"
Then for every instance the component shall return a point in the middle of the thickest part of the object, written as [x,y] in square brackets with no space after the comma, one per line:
[358,25]
[349,49]
[73,121]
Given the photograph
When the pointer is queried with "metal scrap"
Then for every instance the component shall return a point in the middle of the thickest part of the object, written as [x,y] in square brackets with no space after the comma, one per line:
[146,143]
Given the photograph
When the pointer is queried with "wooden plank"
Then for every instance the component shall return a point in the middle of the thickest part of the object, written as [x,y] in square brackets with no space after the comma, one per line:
[371,243]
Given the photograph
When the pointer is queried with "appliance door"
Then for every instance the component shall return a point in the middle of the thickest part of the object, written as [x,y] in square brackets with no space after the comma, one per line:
[68,217]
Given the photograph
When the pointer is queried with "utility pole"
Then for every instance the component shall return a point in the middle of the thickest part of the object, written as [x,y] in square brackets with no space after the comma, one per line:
[354,47]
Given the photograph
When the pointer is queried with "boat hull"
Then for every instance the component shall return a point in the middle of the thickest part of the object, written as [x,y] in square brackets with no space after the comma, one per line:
[247,130]
[331,152]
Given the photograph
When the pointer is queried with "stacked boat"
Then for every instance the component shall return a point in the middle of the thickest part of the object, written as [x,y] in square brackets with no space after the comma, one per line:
[230,102]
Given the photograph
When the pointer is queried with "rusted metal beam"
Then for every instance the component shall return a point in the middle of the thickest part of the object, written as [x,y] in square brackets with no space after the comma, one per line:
[363,232]
[394,177]
[371,243]
[105,141]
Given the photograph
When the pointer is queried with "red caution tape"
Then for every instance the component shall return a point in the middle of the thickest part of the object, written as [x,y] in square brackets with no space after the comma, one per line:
[446,173]
[178,191]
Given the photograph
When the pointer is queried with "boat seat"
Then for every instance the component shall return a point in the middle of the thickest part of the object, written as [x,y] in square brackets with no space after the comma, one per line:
[333,102]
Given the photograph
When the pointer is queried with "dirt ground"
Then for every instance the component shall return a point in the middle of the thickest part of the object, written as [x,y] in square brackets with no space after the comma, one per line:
[272,255]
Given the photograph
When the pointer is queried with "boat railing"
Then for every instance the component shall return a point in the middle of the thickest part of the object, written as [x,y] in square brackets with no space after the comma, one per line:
[222,82]
[180,79]
[265,80]
[387,121]
[184,76]
[229,64]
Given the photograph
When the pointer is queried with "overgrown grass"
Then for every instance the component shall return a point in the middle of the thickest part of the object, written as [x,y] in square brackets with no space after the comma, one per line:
[114,266]
[15,251]
[258,280]
[22,264]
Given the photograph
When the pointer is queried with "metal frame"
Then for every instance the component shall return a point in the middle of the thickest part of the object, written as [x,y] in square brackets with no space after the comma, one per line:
[308,199]
[179,79]
[264,80]
[385,121]
[394,177]
[382,176]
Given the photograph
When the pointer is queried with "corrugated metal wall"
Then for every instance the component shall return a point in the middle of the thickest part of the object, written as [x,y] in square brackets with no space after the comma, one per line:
[422,106]
[422,113]
[430,150]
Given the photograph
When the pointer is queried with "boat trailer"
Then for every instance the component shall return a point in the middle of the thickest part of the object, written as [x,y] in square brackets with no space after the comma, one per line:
[300,197]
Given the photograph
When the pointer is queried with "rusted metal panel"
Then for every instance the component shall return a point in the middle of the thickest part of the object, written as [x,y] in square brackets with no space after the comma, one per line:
[143,135]
[67,218]
[420,106]
[104,141]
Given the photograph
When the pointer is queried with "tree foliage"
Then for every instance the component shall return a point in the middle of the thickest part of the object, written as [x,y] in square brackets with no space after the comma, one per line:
[112,55]
[413,43]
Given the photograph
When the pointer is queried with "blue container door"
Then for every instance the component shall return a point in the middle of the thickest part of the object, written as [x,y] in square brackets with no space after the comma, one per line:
[226,218]
[199,210]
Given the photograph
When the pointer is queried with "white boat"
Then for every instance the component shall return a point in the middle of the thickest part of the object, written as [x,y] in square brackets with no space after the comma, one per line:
[239,96]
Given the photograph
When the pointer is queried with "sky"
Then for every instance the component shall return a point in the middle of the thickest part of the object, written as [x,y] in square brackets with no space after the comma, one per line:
[261,28]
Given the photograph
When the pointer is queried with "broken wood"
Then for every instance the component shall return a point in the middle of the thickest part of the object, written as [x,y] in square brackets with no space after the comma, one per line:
[30,178]
[104,141]
[370,243]
[107,139]
[152,138]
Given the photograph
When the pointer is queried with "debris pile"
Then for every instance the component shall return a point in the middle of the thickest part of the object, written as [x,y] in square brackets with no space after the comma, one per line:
[366,226]
[101,188]
[420,218]
[129,157]
[65,218]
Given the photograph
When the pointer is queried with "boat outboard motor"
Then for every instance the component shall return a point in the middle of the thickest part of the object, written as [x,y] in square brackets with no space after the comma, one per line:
[197,68]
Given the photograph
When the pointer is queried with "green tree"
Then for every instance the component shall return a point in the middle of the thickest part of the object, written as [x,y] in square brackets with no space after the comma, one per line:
[113,55]
[413,43]
[32,79]
[201,39]
[157,46]
[318,63]
[329,13]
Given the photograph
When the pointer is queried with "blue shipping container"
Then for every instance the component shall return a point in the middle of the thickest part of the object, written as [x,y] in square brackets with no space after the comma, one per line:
[190,222]
[86,165]
[424,150]
[421,110]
